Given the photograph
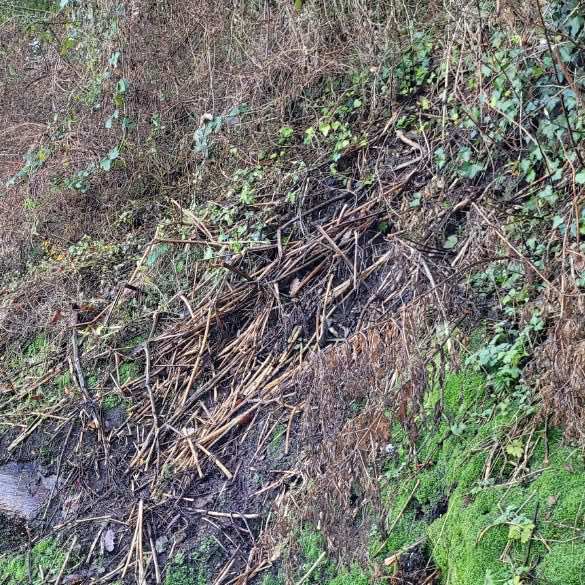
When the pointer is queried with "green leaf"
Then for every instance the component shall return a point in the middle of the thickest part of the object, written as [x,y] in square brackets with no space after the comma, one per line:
[580,177]
[285,133]
[122,86]
[325,128]
[105,164]
[128,123]
[521,529]
[557,221]
[416,200]
[440,157]
[424,103]
[42,154]
[548,194]
[450,242]
[515,448]
[114,58]
[458,428]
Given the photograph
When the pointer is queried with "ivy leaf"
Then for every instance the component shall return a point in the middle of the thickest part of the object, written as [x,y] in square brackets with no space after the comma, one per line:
[557,221]
[548,194]
[325,128]
[106,163]
[122,86]
[580,177]
[575,24]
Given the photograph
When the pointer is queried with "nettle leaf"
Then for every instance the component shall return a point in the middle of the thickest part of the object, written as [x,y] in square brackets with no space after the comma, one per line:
[285,133]
[416,200]
[465,154]
[440,157]
[470,170]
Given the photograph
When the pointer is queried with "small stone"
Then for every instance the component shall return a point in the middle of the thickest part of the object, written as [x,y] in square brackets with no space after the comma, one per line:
[161,544]
[108,540]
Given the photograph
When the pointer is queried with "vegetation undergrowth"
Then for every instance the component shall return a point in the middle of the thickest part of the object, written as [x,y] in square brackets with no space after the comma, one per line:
[443,152]
[495,493]
[45,561]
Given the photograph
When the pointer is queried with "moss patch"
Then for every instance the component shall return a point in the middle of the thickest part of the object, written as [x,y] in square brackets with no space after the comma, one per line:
[193,569]
[46,558]
[501,523]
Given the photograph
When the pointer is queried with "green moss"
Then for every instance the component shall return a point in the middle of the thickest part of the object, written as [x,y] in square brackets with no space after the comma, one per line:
[405,532]
[454,542]
[192,569]
[276,440]
[47,556]
[128,371]
[181,572]
[37,348]
[63,381]
[461,390]
[272,580]
[311,544]
[112,401]
[353,576]
[565,565]
[472,541]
